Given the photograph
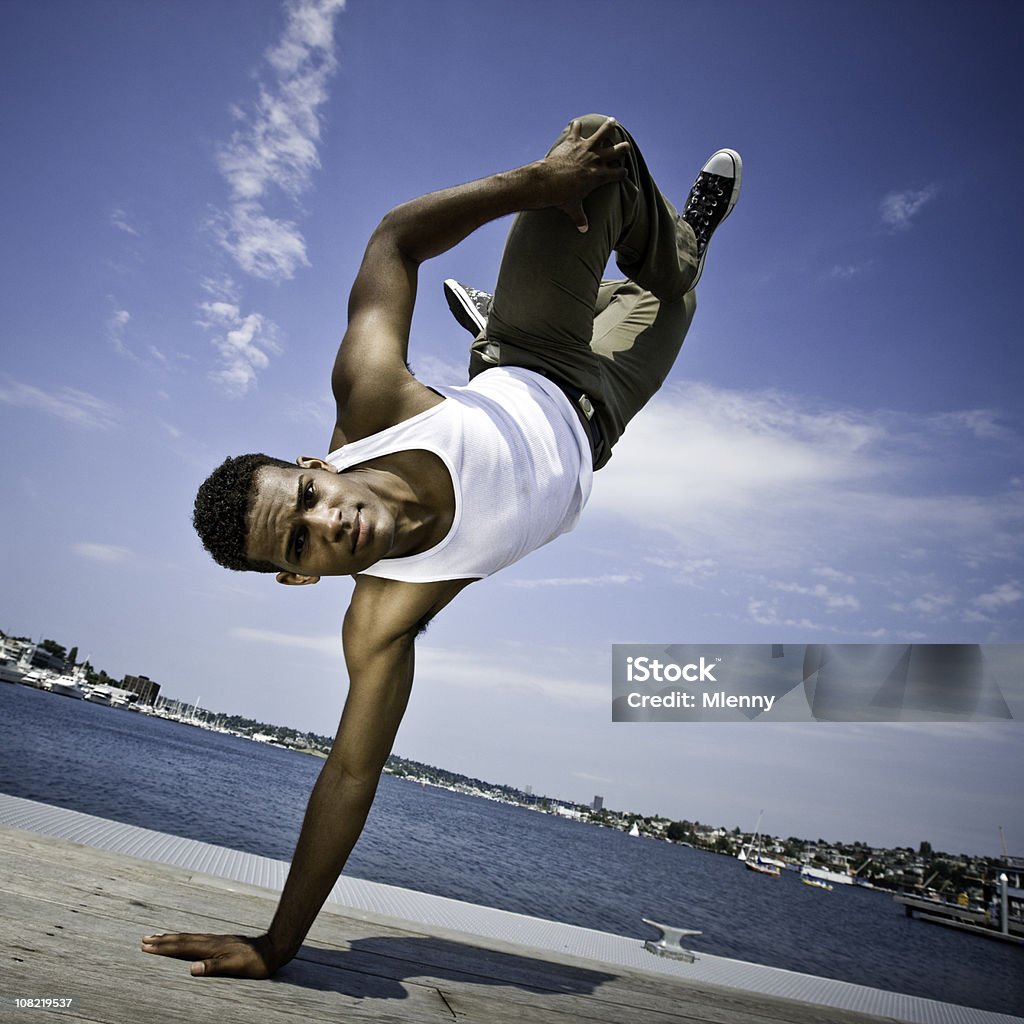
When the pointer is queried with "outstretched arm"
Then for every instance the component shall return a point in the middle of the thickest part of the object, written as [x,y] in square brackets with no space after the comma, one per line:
[379,658]
[372,386]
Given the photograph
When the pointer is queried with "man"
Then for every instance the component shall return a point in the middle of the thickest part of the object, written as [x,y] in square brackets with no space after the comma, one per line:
[426,490]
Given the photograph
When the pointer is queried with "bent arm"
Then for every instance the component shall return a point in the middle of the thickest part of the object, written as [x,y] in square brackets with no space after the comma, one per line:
[372,385]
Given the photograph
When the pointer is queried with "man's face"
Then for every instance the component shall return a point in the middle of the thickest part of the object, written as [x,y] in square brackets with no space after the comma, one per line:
[312,521]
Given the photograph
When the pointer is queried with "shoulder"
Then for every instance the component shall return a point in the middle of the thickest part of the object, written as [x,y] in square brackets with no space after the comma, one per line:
[383,611]
[373,405]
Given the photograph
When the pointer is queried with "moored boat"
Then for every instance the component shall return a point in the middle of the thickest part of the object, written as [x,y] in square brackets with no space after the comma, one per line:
[825,875]
[69,685]
[754,860]
[818,883]
[10,671]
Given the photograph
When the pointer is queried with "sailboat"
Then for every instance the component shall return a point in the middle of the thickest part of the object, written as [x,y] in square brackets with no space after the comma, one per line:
[751,854]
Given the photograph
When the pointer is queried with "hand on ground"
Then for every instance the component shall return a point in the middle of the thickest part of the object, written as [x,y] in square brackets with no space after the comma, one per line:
[232,956]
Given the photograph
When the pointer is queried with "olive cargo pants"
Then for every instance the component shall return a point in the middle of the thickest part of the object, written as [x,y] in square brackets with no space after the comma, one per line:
[552,312]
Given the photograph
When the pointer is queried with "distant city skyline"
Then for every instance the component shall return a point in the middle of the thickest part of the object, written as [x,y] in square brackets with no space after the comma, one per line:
[597,802]
[836,458]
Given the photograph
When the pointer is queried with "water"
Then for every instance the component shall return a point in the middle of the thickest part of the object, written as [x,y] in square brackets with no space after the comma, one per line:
[247,796]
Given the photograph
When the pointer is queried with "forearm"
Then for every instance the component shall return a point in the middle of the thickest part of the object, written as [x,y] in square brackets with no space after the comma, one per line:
[333,822]
[380,680]
[432,224]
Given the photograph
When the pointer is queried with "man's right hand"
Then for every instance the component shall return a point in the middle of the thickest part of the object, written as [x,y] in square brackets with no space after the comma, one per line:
[233,956]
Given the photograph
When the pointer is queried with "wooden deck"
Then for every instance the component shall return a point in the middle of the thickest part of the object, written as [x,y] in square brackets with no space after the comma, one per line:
[72,917]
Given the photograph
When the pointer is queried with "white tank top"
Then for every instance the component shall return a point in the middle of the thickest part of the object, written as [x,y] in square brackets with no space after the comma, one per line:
[520,465]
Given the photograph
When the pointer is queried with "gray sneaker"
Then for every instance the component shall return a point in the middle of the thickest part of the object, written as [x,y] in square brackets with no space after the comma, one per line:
[469,306]
[711,199]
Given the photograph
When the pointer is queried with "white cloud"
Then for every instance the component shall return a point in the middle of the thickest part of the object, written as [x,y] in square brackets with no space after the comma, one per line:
[222,289]
[109,553]
[120,220]
[263,246]
[276,143]
[438,372]
[933,604]
[1000,597]
[607,580]
[326,644]
[828,573]
[821,593]
[537,672]
[817,498]
[117,337]
[766,613]
[898,209]
[243,343]
[685,569]
[561,674]
[843,272]
[983,423]
[274,148]
[117,324]
[71,404]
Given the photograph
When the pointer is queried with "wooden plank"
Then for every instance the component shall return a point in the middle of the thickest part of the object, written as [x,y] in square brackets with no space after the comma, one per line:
[110,979]
[78,914]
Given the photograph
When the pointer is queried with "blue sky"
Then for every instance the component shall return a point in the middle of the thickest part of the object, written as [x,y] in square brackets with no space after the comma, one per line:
[187,189]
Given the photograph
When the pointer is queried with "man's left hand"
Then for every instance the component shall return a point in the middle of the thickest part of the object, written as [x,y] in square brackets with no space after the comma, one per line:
[577,166]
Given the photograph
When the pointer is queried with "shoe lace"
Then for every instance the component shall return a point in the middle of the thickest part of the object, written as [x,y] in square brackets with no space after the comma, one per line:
[703,207]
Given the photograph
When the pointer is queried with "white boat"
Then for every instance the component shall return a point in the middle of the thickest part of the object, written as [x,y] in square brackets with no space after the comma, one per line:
[754,860]
[12,669]
[825,875]
[100,695]
[72,685]
[762,867]
[634,831]
[39,678]
[9,670]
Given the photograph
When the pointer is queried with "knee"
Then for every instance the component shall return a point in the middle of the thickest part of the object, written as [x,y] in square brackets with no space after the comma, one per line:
[591,122]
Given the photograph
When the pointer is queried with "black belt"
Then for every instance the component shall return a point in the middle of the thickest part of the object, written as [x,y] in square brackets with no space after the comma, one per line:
[584,407]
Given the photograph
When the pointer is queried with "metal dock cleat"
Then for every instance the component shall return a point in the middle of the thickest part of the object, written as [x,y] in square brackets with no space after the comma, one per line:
[670,943]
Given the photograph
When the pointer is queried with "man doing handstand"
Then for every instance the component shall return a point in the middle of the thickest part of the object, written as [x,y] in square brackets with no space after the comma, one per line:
[426,490]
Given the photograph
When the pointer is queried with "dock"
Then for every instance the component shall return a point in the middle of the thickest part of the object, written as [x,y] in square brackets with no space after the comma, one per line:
[77,893]
[962,918]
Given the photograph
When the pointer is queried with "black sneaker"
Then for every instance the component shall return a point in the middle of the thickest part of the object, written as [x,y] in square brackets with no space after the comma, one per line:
[712,198]
[468,305]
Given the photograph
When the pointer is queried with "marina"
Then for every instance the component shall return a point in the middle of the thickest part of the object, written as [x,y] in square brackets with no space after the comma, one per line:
[80,891]
[449,848]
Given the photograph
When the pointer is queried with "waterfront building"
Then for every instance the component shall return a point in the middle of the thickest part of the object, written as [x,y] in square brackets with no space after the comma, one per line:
[143,686]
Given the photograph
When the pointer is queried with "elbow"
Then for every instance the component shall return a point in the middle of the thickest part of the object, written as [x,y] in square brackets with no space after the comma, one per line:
[398,233]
